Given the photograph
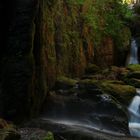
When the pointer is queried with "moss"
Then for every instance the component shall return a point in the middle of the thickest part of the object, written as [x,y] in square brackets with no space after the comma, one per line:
[133,82]
[134,67]
[124,93]
[134,74]
[92,69]
[49,136]
[63,82]
[88,82]
[67,80]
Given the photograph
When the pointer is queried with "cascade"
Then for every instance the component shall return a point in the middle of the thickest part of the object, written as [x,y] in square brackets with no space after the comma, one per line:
[133,59]
[134,108]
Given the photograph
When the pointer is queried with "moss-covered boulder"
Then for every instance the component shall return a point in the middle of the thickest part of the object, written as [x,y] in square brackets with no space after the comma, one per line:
[133,82]
[118,89]
[135,74]
[92,69]
[64,83]
[133,67]
[123,93]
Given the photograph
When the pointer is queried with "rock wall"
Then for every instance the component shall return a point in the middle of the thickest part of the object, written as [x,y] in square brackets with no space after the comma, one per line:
[41,40]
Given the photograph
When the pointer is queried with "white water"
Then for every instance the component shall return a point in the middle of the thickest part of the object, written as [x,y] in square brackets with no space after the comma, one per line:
[133,59]
[134,109]
[83,127]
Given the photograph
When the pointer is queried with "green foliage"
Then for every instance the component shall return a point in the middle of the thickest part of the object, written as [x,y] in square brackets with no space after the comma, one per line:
[134,67]
[105,17]
[49,136]
[79,2]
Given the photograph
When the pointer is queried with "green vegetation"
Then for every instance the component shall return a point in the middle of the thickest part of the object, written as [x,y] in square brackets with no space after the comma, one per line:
[105,17]
[49,136]
[133,67]
[124,93]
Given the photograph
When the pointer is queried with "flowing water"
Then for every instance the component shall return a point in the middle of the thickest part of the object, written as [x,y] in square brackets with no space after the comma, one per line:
[133,59]
[134,108]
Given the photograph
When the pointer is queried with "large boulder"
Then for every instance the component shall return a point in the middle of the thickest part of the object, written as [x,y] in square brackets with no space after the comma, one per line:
[133,82]
[65,83]
[92,69]
[123,93]
[133,67]
[118,89]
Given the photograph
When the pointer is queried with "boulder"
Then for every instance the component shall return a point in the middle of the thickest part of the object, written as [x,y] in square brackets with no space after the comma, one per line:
[65,83]
[118,89]
[134,74]
[123,93]
[133,67]
[133,82]
[92,69]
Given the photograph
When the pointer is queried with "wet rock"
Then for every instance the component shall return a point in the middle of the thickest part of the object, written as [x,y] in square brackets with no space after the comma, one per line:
[88,108]
[133,67]
[65,83]
[88,85]
[133,82]
[92,69]
[29,133]
[135,74]
[123,93]
[69,131]
[118,89]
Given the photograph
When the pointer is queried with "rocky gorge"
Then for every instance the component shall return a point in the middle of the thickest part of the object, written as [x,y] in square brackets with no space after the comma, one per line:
[63,69]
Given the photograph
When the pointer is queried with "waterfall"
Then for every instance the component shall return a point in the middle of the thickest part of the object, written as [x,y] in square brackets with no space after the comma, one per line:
[134,111]
[133,59]
[134,108]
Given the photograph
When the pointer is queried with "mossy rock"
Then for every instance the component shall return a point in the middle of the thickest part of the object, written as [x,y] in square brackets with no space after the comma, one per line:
[49,136]
[92,69]
[7,134]
[133,82]
[65,83]
[88,83]
[135,74]
[119,70]
[123,93]
[133,67]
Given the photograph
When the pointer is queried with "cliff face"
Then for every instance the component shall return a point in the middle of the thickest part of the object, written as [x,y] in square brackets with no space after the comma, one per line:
[17,74]
[41,40]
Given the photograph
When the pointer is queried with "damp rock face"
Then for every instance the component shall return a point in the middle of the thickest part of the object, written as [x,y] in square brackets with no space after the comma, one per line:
[42,40]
